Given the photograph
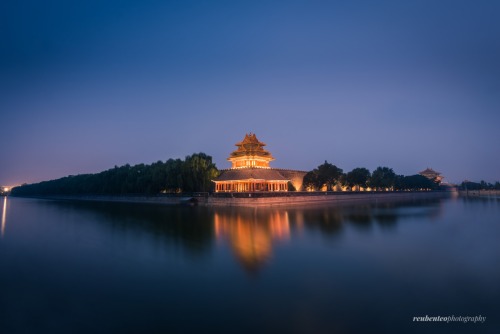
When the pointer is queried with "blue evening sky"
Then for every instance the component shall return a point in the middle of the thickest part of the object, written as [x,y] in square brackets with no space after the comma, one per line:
[87,85]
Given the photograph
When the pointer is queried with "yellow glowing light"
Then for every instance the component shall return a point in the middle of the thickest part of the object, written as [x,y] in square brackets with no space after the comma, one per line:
[6,189]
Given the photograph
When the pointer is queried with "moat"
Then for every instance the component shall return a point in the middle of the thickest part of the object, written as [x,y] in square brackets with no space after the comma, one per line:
[85,267]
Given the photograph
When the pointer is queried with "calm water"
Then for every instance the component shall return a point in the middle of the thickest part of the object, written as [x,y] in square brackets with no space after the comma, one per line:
[69,267]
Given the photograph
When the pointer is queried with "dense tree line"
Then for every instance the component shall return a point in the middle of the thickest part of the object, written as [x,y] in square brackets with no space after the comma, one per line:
[328,176]
[483,185]
[193,174]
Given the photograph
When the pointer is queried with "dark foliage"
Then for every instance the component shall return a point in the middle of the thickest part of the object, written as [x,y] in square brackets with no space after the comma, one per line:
[483,185]
[310,180]
[325,175]
[191,175]
[383,178]
[357,177]
[414,182]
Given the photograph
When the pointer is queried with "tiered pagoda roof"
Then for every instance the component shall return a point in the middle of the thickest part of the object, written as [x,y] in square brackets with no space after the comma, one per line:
[250,146]
[429,171]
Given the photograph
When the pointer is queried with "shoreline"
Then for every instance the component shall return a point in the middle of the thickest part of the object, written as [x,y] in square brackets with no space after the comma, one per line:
[330,198]
[256,200]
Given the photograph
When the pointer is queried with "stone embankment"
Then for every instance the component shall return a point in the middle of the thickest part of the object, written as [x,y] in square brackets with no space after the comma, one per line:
[321,198]
[261,199]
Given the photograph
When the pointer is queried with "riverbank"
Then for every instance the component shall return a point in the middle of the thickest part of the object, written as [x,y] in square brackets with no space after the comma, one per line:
[324,198]
[259,199]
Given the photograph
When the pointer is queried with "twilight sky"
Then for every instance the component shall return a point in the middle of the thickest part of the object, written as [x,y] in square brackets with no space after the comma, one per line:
[87,85]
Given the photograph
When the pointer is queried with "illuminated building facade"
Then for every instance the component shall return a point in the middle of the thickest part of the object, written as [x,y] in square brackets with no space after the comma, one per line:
[250,170]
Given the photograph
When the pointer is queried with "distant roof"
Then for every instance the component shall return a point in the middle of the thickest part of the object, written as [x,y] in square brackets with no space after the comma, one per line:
[429,171]
[251,146]
[251,173]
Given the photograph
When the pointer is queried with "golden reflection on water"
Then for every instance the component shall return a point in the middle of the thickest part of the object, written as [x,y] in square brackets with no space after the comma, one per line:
[4,214]
[251,233]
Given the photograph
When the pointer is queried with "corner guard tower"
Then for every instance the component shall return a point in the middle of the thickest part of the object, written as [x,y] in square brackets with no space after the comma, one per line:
[250,170]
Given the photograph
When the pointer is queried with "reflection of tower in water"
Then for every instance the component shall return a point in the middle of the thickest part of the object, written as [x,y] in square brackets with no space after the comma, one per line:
[251,233]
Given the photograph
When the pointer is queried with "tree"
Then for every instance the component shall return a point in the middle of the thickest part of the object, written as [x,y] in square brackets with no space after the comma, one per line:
[482,185]
[414,182]
[357,177]
[310,181]
[198,172]
[383,178]
[324,175]
[328,175]
[343,180]
[173,170]
[468,185]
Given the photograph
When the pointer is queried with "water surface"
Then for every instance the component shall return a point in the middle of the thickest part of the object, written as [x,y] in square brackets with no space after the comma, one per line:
[76,267]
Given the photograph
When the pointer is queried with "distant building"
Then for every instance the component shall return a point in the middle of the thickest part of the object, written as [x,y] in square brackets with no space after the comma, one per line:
[431,174]
[250,170]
